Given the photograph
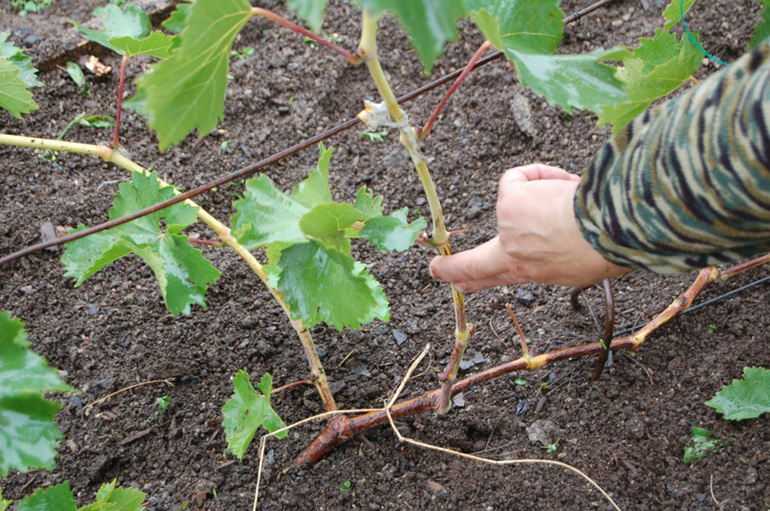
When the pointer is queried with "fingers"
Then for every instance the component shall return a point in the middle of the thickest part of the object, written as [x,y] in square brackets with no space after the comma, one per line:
[483,262]
[535,172]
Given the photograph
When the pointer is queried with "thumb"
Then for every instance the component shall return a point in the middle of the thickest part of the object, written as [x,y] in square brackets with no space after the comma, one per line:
[480,263]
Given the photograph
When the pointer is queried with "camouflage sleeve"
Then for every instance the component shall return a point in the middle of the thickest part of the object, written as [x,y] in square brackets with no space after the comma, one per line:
[687,184]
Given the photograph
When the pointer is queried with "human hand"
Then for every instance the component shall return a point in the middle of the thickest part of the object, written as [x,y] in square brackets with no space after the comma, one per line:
[538,238]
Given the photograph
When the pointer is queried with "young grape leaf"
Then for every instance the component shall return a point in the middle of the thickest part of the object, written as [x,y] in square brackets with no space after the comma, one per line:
[28,434]
[307,236]
[762,30]
[248,410]
[328,224]
[187,90]
[429,23]
[176,22]
[312,11]
[673,12]
[322,284]
[157,44]
[367,203]
[657,68]
[28,73]
[267,215]
[315,189]
[112,498]
[132,23]
[4,504]
[528,33]
[57,497]
[15,97]
[183,273]
[393,232]
[747,398]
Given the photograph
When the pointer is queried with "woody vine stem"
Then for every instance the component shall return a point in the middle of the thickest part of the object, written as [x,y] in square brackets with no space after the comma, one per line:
[409,139]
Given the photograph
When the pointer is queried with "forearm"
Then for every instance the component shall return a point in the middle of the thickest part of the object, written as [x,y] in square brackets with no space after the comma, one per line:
[687,184]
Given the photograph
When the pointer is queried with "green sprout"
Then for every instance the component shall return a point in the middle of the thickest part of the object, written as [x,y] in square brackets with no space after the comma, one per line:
[345,486]
[242,54]
[163,403]
[223,145]
[77,76]
[374,136]
[551,448]
[521,382]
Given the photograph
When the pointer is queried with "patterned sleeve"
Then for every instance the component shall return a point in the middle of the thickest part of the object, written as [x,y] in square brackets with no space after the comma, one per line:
[687,184]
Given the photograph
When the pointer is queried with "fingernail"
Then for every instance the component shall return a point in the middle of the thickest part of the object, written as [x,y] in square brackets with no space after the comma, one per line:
[461,286]
[433,273]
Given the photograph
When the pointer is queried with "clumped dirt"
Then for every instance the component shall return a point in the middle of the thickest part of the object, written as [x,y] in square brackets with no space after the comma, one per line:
[627,431]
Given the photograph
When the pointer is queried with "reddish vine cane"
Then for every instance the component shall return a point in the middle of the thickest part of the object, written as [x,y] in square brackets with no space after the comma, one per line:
[340,431]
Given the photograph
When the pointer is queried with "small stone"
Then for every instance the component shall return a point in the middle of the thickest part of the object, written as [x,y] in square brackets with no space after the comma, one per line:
[399,336]
[543,432]
[524,297]
[459,400]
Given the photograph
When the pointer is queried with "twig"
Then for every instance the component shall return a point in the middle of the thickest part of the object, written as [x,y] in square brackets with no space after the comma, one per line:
[350,57]
[720,505]
[423,445]
[609,328]
[289,386]
[456,85]
[167,381]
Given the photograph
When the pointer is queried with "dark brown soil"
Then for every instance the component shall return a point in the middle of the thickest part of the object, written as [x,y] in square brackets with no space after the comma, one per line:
[628,431]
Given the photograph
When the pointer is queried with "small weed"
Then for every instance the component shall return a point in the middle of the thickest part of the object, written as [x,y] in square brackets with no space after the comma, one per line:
[163,403]
[291,100]
[345,487]
[24,7]
[712,328]
[705,442]
[214,492]
[551,448]
[242,54]
[223,146]
[374,137]
[521,382]
[77,76]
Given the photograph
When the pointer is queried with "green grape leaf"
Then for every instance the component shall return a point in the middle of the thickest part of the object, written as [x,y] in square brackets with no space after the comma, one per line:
[344,297]
[176,22]
[673,13]
[267,215]
[57,497]
[182,272]
[132,23]
[248,410]
[15,97]
[429,23]
[528,33]
[393,232]
[528,27]
[747,398]
[28,434]
[657,68]
[328,223]
[4,504]
[27,72]
[113,498]
[157,44]
[312,11]
[187,90]
[367,203]
[762,30]
[315,189]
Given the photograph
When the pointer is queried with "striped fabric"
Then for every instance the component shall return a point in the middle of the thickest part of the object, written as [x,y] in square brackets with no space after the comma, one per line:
[687,184]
